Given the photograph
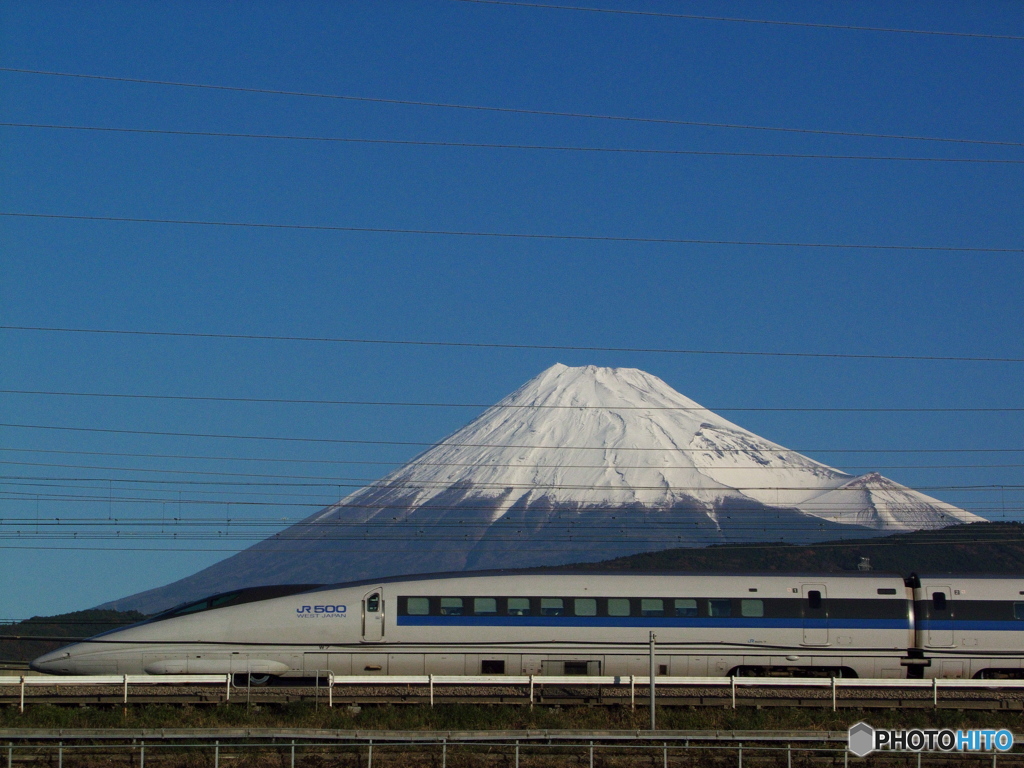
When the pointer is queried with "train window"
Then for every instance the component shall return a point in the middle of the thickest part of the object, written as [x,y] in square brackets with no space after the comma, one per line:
[720,609]
[518,606]
[752,608]
[373,603]
[687,608]
[552,606]
[585,606]
[417,606]
[939,601]
[1018,610]
[618,606]
[492,667]
[485,606]
[451,606]
[886,591]
[814,600]
[652,607]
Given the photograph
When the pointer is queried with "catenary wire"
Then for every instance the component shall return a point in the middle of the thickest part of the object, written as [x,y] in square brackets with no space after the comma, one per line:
[502,406]
[490,445]
[741,20]
[538,147]
[279,459]
[488,345]
[507,110]
[513,235]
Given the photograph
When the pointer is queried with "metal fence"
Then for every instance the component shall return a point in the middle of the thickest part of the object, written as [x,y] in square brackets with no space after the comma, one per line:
[291,747]
[532,685]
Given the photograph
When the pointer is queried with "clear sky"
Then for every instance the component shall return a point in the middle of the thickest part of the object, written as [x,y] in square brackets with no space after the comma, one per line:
[400,286]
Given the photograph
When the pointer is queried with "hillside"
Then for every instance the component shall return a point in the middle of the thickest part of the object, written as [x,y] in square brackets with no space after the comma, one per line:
[996,548]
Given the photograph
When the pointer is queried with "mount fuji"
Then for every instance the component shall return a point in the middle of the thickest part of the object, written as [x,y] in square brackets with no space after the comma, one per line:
[578,464]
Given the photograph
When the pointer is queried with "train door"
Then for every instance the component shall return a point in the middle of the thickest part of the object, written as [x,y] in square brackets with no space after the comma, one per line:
[814,611]
[940,616]
[373,615]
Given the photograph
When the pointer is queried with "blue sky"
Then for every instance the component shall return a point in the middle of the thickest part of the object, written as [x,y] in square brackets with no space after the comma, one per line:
[163,277]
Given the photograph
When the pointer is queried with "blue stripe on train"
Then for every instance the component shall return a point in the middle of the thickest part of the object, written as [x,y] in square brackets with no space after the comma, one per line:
[938,625]
[577,621]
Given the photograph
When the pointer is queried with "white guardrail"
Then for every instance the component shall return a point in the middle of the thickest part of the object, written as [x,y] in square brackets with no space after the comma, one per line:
[532,681]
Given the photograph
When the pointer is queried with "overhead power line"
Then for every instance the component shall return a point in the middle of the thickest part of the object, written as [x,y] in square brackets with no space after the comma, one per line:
[331,440]
[502,406]
[740,20]
[537,147]
[515,235]
[490,345]
[342,462]
[508,110]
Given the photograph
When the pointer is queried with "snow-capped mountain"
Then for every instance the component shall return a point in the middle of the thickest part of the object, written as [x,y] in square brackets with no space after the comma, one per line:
[578,464]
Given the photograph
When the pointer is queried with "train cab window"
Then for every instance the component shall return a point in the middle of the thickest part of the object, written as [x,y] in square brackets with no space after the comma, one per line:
[686,608]
[417,606]
[652,607]
[939,601]
[752,608]
[814,600]
[552,606]
[451,606]
[720,609]
[618,606]
[518,606]
[1018,611]
[485,606]
[373,603]
[585,606]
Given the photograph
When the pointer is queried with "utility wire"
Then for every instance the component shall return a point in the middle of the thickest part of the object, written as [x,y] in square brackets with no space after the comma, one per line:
[739,20]
[509,406]
[259,459]
[495,445]
[515,235]
[539,147]
[507,110]
[486,345]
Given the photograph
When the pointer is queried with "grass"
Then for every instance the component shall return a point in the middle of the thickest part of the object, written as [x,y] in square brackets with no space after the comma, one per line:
[478,717]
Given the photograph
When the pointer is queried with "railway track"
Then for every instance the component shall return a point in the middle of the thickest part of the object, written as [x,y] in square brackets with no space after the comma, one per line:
[749,694]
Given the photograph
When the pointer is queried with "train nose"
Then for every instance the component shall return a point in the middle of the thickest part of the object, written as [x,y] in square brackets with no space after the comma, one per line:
[53,663]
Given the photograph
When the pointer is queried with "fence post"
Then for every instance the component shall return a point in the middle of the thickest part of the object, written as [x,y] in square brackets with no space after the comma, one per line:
[22,707]
[60,755]
[591,754]
[740,764]
[935,692]
[227,688]
[369,755]
[293,753]
[216,754]
[330,689]
[664,754]
[789,756]
[431,681]
[632,691]
[517,753]
[126,689]
[142,754]
[651,682]
[444,753]
[833,694]
[732,683]
[10,754]
[531,692]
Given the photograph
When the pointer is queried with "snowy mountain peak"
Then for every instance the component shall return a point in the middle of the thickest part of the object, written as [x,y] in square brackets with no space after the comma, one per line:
[578,464]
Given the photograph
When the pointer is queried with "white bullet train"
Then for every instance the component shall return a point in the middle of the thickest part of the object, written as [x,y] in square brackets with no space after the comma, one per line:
[580,623]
